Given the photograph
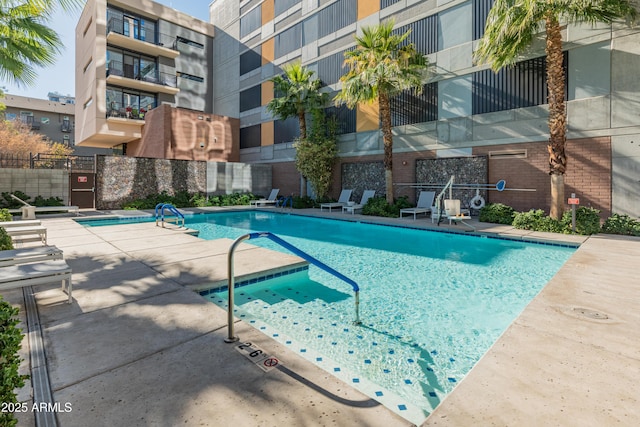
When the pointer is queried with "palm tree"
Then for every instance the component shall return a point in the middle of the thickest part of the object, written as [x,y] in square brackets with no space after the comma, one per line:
[25,40]
[510,30]
[381,66]
[297,93]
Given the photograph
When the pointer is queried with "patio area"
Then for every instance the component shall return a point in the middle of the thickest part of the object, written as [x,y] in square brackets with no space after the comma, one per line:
[138,347]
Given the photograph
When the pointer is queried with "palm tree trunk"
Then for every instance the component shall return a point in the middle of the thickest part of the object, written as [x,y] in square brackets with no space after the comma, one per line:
[557,115]
[302,122]
[387,140]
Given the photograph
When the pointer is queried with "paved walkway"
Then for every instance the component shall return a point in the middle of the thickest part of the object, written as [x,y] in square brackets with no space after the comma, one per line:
[137,348]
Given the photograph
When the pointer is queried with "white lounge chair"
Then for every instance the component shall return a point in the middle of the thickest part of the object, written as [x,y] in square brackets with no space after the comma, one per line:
[32,233]
[28,255]
[29,212]
[456,215]
[24,223]
[363,201]
[425,203]
[271,200]
[18,276]
[345,195]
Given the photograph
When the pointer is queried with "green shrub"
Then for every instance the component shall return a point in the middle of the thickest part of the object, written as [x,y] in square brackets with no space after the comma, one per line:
[497,213]
[10,379]
[5,240]
[5,215]
[536,220]
[621,224]
[51,201]
[587,221]
[234,199]
[11,203]
[303,202]
[378,206]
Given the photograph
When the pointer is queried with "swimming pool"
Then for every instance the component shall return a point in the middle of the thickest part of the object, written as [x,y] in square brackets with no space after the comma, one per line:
[432,303]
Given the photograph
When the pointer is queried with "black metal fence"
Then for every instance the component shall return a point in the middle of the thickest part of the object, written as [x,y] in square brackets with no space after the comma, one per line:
[47,161]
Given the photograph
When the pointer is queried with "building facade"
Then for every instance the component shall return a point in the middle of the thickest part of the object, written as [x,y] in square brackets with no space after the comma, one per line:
[132,57]
[53,118]
[465,110]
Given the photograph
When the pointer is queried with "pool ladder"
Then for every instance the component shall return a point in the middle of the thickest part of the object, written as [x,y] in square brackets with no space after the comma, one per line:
[176,218]
[231,275]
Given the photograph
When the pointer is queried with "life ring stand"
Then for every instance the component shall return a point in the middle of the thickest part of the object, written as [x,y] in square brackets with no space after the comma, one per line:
[477,202]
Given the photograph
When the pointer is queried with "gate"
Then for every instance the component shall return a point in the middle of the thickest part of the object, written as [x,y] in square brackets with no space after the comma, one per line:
[83,187]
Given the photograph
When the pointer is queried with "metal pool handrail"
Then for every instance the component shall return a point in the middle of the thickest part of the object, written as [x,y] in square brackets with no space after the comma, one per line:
[168,206]
[231,275]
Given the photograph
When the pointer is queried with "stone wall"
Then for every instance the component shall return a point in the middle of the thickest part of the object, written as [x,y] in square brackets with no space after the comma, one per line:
[36,182]
[362,176]
[467,170]
[122,179]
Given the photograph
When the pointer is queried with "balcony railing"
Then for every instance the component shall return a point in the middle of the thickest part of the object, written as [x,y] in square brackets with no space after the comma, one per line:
[149,35]
[117,68]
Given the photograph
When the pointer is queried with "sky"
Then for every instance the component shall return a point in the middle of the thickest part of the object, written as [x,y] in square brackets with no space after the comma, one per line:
[59,77]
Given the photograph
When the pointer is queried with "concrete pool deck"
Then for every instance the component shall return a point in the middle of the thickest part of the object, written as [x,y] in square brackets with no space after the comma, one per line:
[136,347]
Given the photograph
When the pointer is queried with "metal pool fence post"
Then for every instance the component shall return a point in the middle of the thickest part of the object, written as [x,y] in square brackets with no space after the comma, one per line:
[231,284]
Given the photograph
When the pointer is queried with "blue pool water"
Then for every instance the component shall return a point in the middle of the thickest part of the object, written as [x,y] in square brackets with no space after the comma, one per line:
[431,303]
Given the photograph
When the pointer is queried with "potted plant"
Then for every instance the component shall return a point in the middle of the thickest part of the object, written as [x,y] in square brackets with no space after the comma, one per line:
[128,110]
[142,113]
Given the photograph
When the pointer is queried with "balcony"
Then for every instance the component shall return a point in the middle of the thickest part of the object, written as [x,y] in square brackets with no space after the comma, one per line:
[156,82]
[162,45]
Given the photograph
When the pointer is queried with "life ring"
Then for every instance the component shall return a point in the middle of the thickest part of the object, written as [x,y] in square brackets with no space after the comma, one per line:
[477,202]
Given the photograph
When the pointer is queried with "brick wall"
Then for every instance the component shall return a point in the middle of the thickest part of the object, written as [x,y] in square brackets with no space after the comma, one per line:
[588,174]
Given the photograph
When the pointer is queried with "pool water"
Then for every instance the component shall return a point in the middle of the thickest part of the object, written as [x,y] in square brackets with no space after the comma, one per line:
[431,303]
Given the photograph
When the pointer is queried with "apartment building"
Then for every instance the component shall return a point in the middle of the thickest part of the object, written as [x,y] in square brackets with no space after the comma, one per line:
[465,110]
[135,56]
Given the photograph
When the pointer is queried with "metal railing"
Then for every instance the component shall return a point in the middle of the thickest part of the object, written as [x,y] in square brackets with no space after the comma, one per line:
[161,207]
[231,275]
[47,161]
[148,35]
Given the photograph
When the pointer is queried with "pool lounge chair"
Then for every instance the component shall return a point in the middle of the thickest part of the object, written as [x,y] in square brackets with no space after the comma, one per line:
[271,200]
[425,202]
[456,215]
[29,255]
[343,200]
[29,212]
[39,273]
[33,233]
[356,207]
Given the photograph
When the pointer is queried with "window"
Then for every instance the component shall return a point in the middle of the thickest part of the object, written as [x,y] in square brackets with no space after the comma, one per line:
[336,16]
[345,118]
[281,6]
[523,85]
[189,42]
[190,77]
[387,3]
[250,136]
[250,22]
[125,64]
[121,102]
[44,120]
[286,131]
[66,124]
[288,40]
[424,34]
[408,108]
[250,61]
[481,9]
[330,69]
[250,98]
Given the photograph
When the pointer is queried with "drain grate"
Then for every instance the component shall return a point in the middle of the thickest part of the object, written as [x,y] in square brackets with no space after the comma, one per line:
[591,314]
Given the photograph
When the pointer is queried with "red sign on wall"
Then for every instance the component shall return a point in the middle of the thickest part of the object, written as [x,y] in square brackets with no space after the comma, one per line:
[573,201]
[82,179]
